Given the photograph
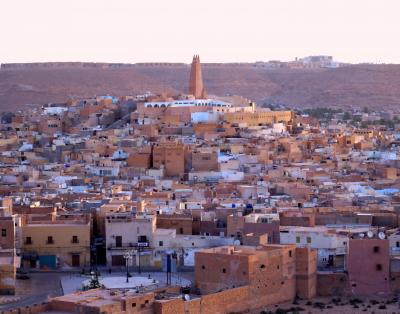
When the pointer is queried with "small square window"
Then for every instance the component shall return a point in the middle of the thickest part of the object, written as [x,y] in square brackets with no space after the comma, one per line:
[376,249]
[160,243]
[378,267]
[3,232]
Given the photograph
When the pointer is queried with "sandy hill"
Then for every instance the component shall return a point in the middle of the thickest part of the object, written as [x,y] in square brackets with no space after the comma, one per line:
[359,85]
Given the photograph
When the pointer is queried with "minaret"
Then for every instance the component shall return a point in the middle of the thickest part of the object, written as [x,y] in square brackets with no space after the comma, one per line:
[196,87]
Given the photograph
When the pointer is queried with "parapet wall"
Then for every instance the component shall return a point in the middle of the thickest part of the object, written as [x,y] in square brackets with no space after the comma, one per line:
[33,309]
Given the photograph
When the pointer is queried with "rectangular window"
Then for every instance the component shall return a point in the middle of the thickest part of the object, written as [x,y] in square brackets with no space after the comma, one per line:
[142,238]
[376,249]
[75,239]
[28,240]
[50,240]
[379,267]
[3,232]
[397,244]
[297,239]
[308,240]
[161,243]
[118,241]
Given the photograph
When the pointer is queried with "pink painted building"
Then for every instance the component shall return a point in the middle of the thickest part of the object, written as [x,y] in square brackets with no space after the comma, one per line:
[368,265]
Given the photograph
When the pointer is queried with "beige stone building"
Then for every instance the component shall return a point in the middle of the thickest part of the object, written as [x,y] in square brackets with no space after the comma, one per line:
[55,243]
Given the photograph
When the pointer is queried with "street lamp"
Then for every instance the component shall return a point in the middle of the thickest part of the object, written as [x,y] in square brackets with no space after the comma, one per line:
[127,255]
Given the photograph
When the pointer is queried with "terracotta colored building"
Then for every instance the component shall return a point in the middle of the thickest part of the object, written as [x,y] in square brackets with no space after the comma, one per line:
[297,219]
[368,265]
[306,275]
[269,271]
[238,226]
[171,156]
[204,161]
[183,224]
[7,229]
[264,117]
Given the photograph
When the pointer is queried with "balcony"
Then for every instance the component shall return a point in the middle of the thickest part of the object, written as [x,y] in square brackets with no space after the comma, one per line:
[331,269]
[124,246]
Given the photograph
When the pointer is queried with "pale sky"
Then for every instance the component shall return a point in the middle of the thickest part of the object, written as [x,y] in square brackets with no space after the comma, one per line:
[219,30]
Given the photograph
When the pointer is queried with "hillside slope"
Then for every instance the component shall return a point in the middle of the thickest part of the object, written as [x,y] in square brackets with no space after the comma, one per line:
[374,86]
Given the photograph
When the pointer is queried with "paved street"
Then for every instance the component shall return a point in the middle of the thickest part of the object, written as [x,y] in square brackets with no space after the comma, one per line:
[38,289]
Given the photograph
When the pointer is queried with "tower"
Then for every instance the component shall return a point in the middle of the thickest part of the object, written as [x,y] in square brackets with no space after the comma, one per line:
[196,87]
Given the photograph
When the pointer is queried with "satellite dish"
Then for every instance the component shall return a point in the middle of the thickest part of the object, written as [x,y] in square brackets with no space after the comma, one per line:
[370,234]
[186,297]
[381,235]
[361,235]
[236,242]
